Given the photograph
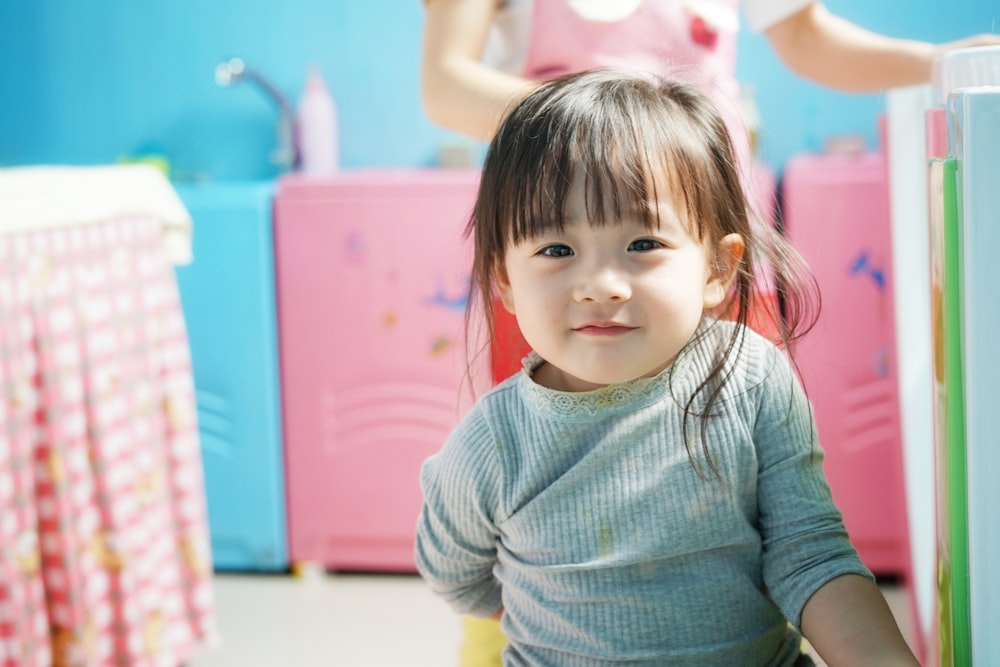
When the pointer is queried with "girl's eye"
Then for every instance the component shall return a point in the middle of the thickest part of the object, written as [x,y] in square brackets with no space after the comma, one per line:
[644,245]
[556,250]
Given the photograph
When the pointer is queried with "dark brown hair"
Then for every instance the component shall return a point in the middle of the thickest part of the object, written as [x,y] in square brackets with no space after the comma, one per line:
[624,132]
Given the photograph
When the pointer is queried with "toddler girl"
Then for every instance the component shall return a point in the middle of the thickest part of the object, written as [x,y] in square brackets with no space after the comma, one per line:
[649,490]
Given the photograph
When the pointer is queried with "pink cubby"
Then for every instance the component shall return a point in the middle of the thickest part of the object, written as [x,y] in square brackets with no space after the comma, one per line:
[836,212]
[373,273]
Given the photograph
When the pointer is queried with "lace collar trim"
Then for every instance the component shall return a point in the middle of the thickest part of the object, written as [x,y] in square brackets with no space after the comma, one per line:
[588,404]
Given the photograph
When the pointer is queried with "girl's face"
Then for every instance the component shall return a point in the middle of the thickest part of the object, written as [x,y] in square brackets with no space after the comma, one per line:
[609,303]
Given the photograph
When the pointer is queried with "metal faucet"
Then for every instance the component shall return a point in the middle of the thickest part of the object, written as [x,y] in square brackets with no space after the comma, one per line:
[287,154]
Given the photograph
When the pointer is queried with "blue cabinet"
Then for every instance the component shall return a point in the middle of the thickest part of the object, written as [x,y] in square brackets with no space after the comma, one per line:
[228,295]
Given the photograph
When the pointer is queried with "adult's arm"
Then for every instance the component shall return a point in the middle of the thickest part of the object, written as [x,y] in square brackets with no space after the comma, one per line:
[835,53]
[459,92]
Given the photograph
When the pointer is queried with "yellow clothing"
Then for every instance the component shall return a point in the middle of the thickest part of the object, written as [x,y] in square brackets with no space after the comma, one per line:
[483,642]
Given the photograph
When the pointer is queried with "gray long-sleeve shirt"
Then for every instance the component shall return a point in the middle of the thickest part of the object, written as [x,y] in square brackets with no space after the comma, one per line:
[582,514]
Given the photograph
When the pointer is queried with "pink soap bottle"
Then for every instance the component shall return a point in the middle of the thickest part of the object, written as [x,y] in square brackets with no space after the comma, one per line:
[318,133]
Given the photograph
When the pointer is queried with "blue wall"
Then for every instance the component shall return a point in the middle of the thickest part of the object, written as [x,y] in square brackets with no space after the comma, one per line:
[88,82]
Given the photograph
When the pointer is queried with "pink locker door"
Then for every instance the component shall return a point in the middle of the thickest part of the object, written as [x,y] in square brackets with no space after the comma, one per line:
[836,213]
[372,274]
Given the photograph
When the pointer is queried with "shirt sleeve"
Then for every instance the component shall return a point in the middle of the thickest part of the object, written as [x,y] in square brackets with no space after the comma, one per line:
[804,539]
[456,532]
[762,14]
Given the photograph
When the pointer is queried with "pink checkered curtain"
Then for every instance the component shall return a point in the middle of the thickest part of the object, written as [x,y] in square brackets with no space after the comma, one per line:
[104,555]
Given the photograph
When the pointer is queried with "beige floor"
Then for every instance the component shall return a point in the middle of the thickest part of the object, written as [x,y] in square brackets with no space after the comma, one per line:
[330,620]
[347,620]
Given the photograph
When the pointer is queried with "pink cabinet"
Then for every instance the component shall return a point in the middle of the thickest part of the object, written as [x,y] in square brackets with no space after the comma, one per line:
[836,212]
[373,274]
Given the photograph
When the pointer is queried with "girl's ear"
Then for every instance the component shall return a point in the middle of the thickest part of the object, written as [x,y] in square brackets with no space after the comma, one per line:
[728,255]
[503,287]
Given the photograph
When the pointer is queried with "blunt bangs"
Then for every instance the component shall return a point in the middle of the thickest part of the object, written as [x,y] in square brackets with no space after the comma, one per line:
[629,143]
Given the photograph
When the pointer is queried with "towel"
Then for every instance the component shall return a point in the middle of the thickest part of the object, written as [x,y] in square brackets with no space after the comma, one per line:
[43,197]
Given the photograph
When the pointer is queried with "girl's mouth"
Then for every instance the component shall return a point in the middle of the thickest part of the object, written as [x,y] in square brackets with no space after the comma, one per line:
[604,329]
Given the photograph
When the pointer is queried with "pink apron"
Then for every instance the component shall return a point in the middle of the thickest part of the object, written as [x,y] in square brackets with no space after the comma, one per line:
[693,40]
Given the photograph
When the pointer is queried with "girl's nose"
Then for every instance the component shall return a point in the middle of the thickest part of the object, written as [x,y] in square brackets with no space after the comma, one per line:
[602,284]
